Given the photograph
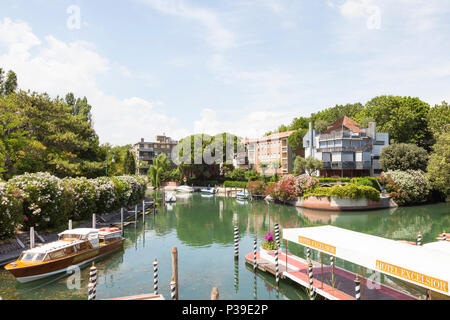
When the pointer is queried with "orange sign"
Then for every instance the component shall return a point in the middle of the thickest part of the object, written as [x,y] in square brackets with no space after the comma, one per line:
[317,245]
[413,276]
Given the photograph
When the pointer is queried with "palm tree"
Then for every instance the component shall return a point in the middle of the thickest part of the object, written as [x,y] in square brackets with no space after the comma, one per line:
[160,165]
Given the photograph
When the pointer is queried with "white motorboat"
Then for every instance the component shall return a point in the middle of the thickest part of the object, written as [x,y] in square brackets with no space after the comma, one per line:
[209,190]
[185,189]
[170,197]
[242,195]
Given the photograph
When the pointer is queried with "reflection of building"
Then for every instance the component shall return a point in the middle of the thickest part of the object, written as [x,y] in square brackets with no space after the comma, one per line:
[272,150]
[146,151]
[346,149]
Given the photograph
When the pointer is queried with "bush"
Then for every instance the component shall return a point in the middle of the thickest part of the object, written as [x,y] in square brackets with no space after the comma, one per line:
[406,187]
[105,200]
[403,156]
[11,210]
[79,199]
[235,184]
[286,189]
[252,175]
[366,181]
[237,175]
[349,191]
[334,179]
[257,187]
[42,194]
[306,182]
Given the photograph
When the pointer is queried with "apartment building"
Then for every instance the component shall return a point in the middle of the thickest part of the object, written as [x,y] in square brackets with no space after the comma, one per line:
[346,149]
[272,150]
[145,152]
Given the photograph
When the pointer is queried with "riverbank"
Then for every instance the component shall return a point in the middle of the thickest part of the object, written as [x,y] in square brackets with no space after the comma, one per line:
[10,250]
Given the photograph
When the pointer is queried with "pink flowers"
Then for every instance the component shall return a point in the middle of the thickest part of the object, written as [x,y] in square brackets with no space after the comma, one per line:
[269,236]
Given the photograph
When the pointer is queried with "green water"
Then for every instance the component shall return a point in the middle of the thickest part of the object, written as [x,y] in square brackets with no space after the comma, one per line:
[202,230]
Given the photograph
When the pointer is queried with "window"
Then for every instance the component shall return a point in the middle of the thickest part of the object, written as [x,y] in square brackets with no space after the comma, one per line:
[57,254]
[27,256]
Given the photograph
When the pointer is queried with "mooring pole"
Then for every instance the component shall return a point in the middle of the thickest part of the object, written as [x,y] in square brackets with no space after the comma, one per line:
[419,239]
[311,280]
[357,288]
[173,289]
[143,211]
[277,271]
[286,243]
[321,267]
[155,277]
[236,242]
[94,221]
[236,275]
[121,220]
[31,237]
[175,269]
[215,293]
[363,283]
[277,234]
[92,287]
[70,224]
[255,246]
[135,214]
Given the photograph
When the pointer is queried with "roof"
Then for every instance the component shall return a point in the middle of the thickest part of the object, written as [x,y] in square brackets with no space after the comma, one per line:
[274,136]
[53,246]
[344,122]
[420,265]
[80,231]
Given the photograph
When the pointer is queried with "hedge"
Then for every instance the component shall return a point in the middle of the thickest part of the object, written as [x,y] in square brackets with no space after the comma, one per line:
[349,191]
[235,184]
[45,201]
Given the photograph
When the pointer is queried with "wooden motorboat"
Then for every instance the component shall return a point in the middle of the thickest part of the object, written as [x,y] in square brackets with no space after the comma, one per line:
[185,189]
[74,248]
[170,197]
[242,195]
[208,190]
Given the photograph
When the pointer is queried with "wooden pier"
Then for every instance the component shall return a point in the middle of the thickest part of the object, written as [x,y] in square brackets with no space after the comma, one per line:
[344,288]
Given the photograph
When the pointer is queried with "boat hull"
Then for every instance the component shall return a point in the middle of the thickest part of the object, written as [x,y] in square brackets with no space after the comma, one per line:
[36,272]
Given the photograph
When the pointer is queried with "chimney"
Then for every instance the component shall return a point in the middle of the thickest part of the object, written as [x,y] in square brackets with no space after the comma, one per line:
[372,130]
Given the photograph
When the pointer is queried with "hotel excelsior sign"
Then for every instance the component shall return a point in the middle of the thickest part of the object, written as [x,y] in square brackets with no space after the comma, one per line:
[317,245]
[413,276]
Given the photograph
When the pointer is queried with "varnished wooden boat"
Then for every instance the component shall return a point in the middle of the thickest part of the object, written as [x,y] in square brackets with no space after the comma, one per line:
[75,248]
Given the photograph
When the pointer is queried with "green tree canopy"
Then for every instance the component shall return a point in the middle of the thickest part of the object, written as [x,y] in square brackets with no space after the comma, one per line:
[295,140]
[438,170]
[403,156]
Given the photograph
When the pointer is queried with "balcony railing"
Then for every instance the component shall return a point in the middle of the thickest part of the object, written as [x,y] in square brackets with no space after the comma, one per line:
[364,148]
[341,134]
[342,165]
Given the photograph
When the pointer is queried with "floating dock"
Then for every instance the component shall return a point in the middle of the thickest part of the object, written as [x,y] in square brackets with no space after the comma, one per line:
[344,288]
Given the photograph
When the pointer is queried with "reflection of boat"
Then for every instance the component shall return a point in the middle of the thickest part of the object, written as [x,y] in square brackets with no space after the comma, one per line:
[209,190]
[74,248]
[207,195]
[242,195]
[185,189]
[242,201]
[170,197]
[269,198]
[169,206]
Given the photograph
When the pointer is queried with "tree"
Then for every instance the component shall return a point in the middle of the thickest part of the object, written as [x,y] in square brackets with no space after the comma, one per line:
[10,85]
[330,115]
[252,175]
[438,169]
[439,118]
[404,118]
[129,165]
[403,156]
[155,173]
[295,140]
[321,126]
[308,165]
[300,123]
[238,174]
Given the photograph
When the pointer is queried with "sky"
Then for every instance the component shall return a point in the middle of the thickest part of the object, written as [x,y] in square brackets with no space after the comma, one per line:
[181,67]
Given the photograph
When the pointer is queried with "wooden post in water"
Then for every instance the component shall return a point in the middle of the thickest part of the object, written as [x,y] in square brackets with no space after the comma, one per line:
[70,224]
[215,293]
[94,221]
[31,237]
[135,214]
[173,289]
[175,269]
[143,210]
[363,283]
[286,242]
[121,220]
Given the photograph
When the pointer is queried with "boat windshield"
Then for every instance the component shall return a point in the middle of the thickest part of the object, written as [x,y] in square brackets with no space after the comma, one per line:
[71,236]
[32,256]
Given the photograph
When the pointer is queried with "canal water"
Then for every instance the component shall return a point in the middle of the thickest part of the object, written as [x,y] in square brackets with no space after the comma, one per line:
[201,228]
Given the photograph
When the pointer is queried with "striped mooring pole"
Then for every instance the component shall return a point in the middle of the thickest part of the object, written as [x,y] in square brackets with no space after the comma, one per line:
[277,235]
[310,277]
[236,276]
[236,242]
[92,290]
[444,236]
[173,293]
[155,277]
[419,239]
[308,253]
[255,244]
[357,288]
[277,270]
[121,220]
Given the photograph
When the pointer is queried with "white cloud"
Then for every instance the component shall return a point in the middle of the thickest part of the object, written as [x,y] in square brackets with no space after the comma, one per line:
[217,34]
[57,67]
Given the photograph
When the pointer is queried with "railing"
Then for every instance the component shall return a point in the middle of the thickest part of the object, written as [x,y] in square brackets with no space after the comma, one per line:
[360,165]
[363,148]
[339,135]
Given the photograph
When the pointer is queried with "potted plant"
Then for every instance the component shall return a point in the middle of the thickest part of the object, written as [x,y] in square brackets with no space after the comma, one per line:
[269,245]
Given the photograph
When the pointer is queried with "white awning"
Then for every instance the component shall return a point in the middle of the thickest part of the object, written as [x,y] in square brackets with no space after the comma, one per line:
[79,231]
[422,266]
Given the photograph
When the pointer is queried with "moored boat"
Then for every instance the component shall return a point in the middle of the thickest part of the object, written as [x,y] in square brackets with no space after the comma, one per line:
[74,248]
[242,195]
[170,197]
[208,190]
[185,189]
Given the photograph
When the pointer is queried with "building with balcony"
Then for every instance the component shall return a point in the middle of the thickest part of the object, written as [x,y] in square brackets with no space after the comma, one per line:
[346,149]
[145,152]
[272,150]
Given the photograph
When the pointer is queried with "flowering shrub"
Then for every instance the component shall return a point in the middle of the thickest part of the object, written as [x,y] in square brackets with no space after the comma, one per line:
[305,181]
[406,187]
[257,187]
[42,194]
[47,201]
[287,188]
[269,243]
[349,191]
[11,211]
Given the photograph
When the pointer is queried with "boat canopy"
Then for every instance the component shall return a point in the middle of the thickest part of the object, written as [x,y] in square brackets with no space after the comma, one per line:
[80,232]
[424,266]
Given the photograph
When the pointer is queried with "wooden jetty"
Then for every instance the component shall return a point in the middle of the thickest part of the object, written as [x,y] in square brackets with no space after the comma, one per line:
[147,296]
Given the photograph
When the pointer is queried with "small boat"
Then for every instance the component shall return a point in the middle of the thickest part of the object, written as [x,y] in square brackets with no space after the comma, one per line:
[170,197]
[185,189]
[269,198]
[209,190]
[74,248]
[242,195]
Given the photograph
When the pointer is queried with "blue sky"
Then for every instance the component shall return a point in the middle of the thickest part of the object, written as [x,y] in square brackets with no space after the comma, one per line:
[190,66]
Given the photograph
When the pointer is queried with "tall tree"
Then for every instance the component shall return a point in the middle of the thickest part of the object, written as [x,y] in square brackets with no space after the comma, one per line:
[129,163]
[438,170]
[10,85]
